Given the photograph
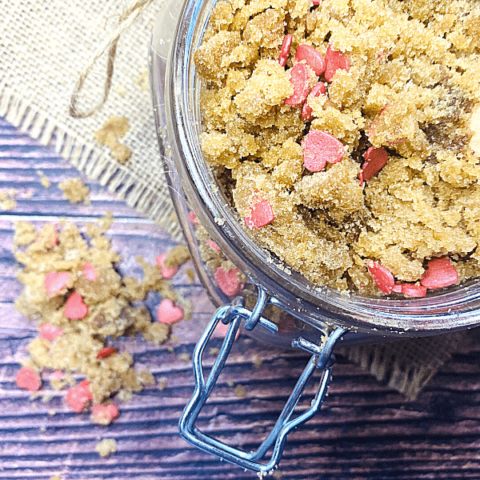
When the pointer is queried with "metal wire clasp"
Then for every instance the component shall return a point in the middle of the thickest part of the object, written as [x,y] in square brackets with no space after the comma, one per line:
[322,358]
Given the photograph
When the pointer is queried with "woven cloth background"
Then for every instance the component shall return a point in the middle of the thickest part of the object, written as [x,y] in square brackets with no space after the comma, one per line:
[43,48]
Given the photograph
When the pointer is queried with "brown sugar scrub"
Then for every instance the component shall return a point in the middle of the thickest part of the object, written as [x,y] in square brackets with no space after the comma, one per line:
[342,130]
[82,304]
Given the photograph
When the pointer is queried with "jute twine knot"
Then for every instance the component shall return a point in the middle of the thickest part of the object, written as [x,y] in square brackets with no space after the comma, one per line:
[124,22]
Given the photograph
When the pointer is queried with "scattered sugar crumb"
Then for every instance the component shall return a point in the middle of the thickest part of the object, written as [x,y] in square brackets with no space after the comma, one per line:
[177,256]
[162,383]
[74,190]
[240,391]
[43,428]
[146,377]
[7,200]
[43,179]
[113,129]
[112,302]
[190,275]
[230,383]
[25,233]
[214,351]
[277,474]
[121,91]
[52,413]
[56,477]
[106,447]
[142,80]
[184,357]
[124,395]
[257,361]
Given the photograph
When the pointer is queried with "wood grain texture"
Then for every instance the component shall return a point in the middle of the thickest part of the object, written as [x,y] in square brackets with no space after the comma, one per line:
[364,431]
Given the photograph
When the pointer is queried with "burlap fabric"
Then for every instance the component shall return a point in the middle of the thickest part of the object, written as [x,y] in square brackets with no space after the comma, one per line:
[43,48]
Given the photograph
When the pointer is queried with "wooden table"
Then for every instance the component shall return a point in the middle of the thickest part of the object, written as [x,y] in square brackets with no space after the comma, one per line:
[364,431]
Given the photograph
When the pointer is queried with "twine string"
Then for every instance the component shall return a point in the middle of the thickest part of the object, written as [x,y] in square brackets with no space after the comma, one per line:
[126,19]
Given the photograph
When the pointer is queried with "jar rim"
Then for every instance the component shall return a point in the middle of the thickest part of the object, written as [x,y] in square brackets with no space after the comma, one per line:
[440,311]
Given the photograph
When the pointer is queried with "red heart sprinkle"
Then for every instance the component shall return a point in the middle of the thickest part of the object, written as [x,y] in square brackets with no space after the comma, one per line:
[75,308]
[29,379]
[106,352]
[335,61]
[50,332]
[166,272]
[397,288]
[300,79]
[168,313]
[285,50]
[381,276]
[376,159]
[320,148]
[213,245]
[316,2]
[104,414]
[412,290]
[317,90]
[89,271]
[55,282]
[440,273]
[313,58]
[261,214]
[227,280]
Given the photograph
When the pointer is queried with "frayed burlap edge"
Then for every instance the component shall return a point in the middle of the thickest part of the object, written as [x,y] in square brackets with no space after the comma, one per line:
[90,160]
[406,366]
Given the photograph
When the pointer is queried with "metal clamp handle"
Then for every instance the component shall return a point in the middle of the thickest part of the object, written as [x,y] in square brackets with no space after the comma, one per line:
[322,358]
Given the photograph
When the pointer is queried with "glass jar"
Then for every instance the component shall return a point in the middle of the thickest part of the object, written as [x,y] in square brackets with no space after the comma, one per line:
[311,311]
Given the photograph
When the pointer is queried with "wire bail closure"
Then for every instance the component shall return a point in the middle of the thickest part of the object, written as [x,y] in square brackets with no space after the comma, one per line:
[233,315]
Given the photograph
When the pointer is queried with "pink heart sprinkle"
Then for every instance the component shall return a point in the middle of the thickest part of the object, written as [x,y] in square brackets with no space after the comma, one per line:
[300,79]
[213,245]
[312,57]
[381,276]
[168,313]
[440,273]
[75,308]
[55,282]
[319,148]
[261,214]
[192,216]
[89,271]
[57,375]
[227,281]
[78,397]
[27,378]
[166,272]
[50,332]
[104,414]
[411,290]
[334,61]
[221,330]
